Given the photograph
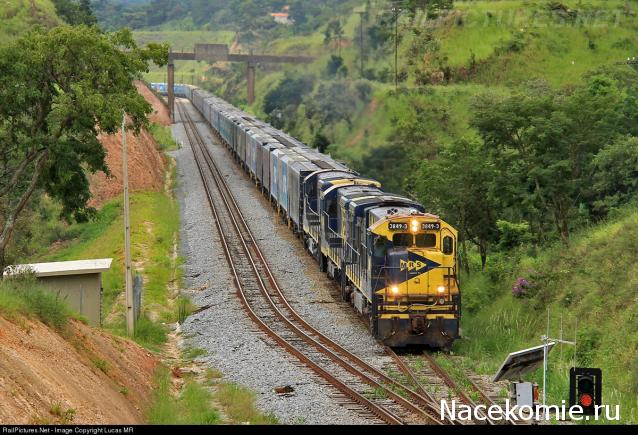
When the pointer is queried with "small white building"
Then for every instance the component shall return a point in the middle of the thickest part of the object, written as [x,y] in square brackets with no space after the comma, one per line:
[281,18]
[79,283]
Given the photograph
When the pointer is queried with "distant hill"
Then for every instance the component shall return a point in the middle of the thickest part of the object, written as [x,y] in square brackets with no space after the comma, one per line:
[17,16]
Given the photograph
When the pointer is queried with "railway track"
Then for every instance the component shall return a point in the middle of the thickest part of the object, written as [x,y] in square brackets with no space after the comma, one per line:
[262,298]
[422,367]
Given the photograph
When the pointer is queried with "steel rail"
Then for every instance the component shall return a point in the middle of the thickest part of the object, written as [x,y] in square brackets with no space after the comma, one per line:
[430,412]
[452,385]
[430,406]
[377,410]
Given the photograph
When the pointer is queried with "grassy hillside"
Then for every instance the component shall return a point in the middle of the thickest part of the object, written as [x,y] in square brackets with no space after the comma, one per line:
[17,16]
[481,45]
[592,282]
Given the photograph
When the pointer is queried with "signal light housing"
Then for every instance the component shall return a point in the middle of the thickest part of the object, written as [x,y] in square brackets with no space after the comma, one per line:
[585,388]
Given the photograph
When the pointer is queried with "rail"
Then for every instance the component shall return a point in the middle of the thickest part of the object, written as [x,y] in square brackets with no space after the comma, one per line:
[262,275]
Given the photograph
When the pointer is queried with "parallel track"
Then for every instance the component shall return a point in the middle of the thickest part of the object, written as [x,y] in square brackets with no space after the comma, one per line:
[431,370]
[266,305]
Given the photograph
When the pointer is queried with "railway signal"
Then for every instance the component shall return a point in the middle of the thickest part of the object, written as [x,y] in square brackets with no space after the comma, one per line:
[585,388]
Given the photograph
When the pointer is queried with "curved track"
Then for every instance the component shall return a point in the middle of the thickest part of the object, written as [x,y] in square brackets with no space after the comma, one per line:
[429,369]
[267,306]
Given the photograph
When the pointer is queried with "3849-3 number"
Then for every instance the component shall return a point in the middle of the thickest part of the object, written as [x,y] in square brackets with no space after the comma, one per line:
[402,226]
[398,226]
[429,226]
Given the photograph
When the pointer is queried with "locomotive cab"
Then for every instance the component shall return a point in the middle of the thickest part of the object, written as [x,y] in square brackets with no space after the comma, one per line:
[416,295]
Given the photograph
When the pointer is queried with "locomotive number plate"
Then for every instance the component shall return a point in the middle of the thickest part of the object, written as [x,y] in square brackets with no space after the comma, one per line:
[397,226]
[431,226]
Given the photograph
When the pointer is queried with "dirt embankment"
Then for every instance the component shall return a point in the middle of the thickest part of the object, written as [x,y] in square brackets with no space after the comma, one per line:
[86,377]
[145,160]
[160,111]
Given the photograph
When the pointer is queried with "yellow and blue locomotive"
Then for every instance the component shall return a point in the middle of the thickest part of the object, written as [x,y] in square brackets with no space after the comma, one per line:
[395,263]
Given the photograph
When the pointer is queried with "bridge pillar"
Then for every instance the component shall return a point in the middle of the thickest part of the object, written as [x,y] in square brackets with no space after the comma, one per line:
[250,76]
[171,88]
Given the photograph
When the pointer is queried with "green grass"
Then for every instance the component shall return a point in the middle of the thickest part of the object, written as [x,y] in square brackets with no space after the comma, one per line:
[154,228]
[102,365]
[193,406]
[23,296]
[239,404]
[558,51]
[593,280]
[18,16]
[193,352]
[154,225]
[163,136]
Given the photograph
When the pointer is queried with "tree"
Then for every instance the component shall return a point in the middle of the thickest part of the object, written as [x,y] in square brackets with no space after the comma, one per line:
[332,103]
[58,90]
[542,145]
[457,185]
[75,12]
[615,179]
[336,66]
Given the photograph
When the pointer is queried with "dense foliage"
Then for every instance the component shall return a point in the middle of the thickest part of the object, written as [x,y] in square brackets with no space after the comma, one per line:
[552,160]
[239,15]
[75,12]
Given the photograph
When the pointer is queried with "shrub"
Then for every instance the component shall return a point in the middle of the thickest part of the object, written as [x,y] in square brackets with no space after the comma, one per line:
[521,287]
[23,296]
[149,334]
[512,234]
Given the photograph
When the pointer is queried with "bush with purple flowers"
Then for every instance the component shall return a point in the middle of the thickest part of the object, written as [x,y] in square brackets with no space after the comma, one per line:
[521,287]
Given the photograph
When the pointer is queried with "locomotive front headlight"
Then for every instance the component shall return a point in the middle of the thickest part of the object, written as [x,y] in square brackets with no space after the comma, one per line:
[395,290]
[415,225]
[440,289]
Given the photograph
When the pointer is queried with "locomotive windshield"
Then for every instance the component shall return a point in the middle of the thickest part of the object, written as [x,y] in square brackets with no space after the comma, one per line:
[406,240]
[426,240]
[402,240]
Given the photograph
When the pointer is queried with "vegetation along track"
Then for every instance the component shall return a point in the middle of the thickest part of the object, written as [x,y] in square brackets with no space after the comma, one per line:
[266,305]
[421,367]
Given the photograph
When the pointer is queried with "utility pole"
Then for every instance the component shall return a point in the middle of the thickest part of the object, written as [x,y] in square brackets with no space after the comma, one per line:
[396,9]
[547,340]
[128,278]
[361,13]
[339,32]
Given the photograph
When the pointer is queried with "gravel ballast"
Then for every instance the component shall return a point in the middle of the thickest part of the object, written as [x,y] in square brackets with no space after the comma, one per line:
[234,345]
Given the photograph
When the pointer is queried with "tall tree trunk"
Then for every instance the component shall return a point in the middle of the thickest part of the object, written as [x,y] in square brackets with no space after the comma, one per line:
[2,262]
[483,252]
[12,216]
[465,263]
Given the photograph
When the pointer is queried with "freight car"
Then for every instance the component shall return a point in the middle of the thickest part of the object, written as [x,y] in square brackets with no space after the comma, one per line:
[395,263]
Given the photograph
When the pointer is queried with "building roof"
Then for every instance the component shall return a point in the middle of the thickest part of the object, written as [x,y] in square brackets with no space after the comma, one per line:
[279,14]
[59,268]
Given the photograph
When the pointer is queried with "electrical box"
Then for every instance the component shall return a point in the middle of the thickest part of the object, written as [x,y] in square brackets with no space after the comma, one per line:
[523,394]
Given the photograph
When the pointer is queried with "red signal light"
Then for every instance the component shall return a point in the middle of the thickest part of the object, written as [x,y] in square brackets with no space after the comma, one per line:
[586,400]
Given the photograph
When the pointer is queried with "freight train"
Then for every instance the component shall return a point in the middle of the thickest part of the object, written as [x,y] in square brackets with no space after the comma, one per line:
[395,263]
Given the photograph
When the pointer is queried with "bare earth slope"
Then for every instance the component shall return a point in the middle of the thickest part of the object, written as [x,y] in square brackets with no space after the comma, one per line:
[145,159]
[103,379]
